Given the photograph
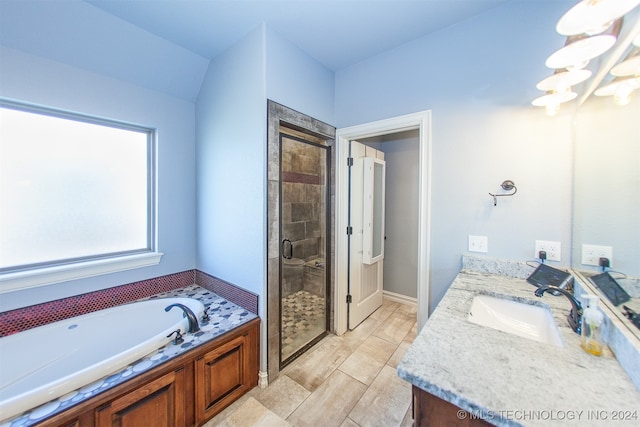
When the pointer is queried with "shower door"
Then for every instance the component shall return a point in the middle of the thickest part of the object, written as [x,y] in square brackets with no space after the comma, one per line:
[304,199]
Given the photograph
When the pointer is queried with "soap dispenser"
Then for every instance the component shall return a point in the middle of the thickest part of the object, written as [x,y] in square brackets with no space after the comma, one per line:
[592,326]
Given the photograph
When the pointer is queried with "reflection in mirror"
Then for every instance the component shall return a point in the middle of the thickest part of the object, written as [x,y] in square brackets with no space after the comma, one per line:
[607,194]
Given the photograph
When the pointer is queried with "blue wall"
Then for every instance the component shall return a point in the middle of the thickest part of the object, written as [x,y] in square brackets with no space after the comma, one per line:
[296,80]
[230,166]
[42,81]
[478,78]
[231,154]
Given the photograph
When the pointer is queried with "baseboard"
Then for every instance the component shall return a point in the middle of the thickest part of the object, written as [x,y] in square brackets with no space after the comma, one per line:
[402,299]
[263,379]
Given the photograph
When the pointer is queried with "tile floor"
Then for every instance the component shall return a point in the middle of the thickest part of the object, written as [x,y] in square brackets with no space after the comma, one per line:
[342,381]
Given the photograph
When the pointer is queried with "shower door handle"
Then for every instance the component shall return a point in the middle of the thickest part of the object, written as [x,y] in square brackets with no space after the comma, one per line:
[284,252]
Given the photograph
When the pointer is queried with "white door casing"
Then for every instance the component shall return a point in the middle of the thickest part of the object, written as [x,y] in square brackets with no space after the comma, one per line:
[422,122]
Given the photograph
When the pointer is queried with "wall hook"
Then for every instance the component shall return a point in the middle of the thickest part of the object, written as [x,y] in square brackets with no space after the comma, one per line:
[507,185]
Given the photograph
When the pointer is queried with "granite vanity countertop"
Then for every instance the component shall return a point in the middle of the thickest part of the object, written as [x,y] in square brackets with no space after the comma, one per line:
[224,316]
[513,381]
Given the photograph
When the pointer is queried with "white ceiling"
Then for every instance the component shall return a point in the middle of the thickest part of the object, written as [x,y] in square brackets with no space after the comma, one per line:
[337,33]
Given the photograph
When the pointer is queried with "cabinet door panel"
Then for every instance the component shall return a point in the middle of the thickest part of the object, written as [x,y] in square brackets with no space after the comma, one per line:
[221,377]
[159,403]
[430,410]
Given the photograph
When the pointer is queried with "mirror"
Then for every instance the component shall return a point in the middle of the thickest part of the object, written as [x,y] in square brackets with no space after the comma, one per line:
[607,181]
[373,211]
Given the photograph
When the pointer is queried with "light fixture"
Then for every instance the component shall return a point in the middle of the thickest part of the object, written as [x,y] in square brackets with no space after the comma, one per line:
[552,100]
[592,28]
[630,66]
[621,89]
[579,50]
[593,16]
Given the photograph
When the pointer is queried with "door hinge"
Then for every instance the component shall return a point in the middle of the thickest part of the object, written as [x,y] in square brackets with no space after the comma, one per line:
[349,161]
[348,299]
[349,230]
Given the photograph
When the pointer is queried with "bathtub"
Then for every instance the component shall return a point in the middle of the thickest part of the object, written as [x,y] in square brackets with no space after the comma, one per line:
[47,362]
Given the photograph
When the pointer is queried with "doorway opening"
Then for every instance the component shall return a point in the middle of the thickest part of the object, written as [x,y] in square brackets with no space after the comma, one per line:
[421,122]
[300,249]
[401,151]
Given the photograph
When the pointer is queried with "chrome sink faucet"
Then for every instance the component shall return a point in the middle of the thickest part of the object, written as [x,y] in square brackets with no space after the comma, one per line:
[191,317]
[575,316]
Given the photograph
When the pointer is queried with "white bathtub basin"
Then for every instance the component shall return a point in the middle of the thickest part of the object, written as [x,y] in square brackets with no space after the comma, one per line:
[525,320]
[41,364]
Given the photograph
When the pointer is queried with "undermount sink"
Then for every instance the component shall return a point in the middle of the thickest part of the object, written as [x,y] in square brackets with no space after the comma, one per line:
[517,318]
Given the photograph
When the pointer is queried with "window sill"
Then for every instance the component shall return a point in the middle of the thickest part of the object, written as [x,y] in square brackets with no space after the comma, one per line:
[49,275]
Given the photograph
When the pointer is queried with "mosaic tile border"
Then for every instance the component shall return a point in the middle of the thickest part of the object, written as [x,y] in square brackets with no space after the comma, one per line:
[24,318]
[243,298]
[41,314]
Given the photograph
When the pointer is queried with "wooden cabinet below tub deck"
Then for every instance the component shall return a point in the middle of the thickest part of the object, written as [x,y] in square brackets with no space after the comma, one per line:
[222,376]
[185,391]
[430,410]
[159,403]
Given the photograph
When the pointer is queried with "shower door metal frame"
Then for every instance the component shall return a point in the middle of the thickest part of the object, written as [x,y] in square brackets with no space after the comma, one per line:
[279,116]
[327,247]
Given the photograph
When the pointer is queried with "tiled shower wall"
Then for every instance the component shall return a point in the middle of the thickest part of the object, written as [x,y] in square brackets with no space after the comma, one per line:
[21,319]
[303,215]
[303,198]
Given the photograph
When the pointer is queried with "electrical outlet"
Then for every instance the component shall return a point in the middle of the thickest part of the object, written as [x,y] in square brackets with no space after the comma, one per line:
[553,249]
[478,244]
[591,254]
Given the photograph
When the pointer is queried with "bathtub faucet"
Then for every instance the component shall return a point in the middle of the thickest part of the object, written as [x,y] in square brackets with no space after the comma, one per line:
[191,317]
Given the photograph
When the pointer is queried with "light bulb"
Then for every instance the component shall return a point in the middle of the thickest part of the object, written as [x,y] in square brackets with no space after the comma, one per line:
[622,96]
[552,109]
[552,100]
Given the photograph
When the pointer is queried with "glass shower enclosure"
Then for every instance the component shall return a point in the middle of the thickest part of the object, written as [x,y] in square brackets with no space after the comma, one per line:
[304,210]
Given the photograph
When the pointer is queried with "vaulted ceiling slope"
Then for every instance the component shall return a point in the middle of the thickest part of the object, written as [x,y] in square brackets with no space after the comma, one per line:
[166,44]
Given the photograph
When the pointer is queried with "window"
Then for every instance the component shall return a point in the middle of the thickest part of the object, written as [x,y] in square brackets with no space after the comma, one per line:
[77,196]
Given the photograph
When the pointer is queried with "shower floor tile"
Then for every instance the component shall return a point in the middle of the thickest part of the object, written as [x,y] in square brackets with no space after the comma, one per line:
[303,319]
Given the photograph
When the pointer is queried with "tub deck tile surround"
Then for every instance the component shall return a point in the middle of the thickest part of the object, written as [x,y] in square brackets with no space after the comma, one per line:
[21,319]
[224,317]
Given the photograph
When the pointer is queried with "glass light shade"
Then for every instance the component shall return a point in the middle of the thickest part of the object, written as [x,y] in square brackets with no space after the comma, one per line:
[636,41]
[593,16]
[577,54]
[629,67]
[554,99]
[619,86]
[563,80]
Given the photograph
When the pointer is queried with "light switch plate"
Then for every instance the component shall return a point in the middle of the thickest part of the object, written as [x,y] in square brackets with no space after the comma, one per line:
[478,244]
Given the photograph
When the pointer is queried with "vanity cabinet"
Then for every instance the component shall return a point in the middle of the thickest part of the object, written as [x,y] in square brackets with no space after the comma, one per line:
[430,410]
[186,391]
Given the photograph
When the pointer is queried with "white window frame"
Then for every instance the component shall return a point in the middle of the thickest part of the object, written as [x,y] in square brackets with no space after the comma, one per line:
[64,270]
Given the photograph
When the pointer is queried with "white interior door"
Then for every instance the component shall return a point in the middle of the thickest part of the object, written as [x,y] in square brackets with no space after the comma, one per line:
[365,280]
